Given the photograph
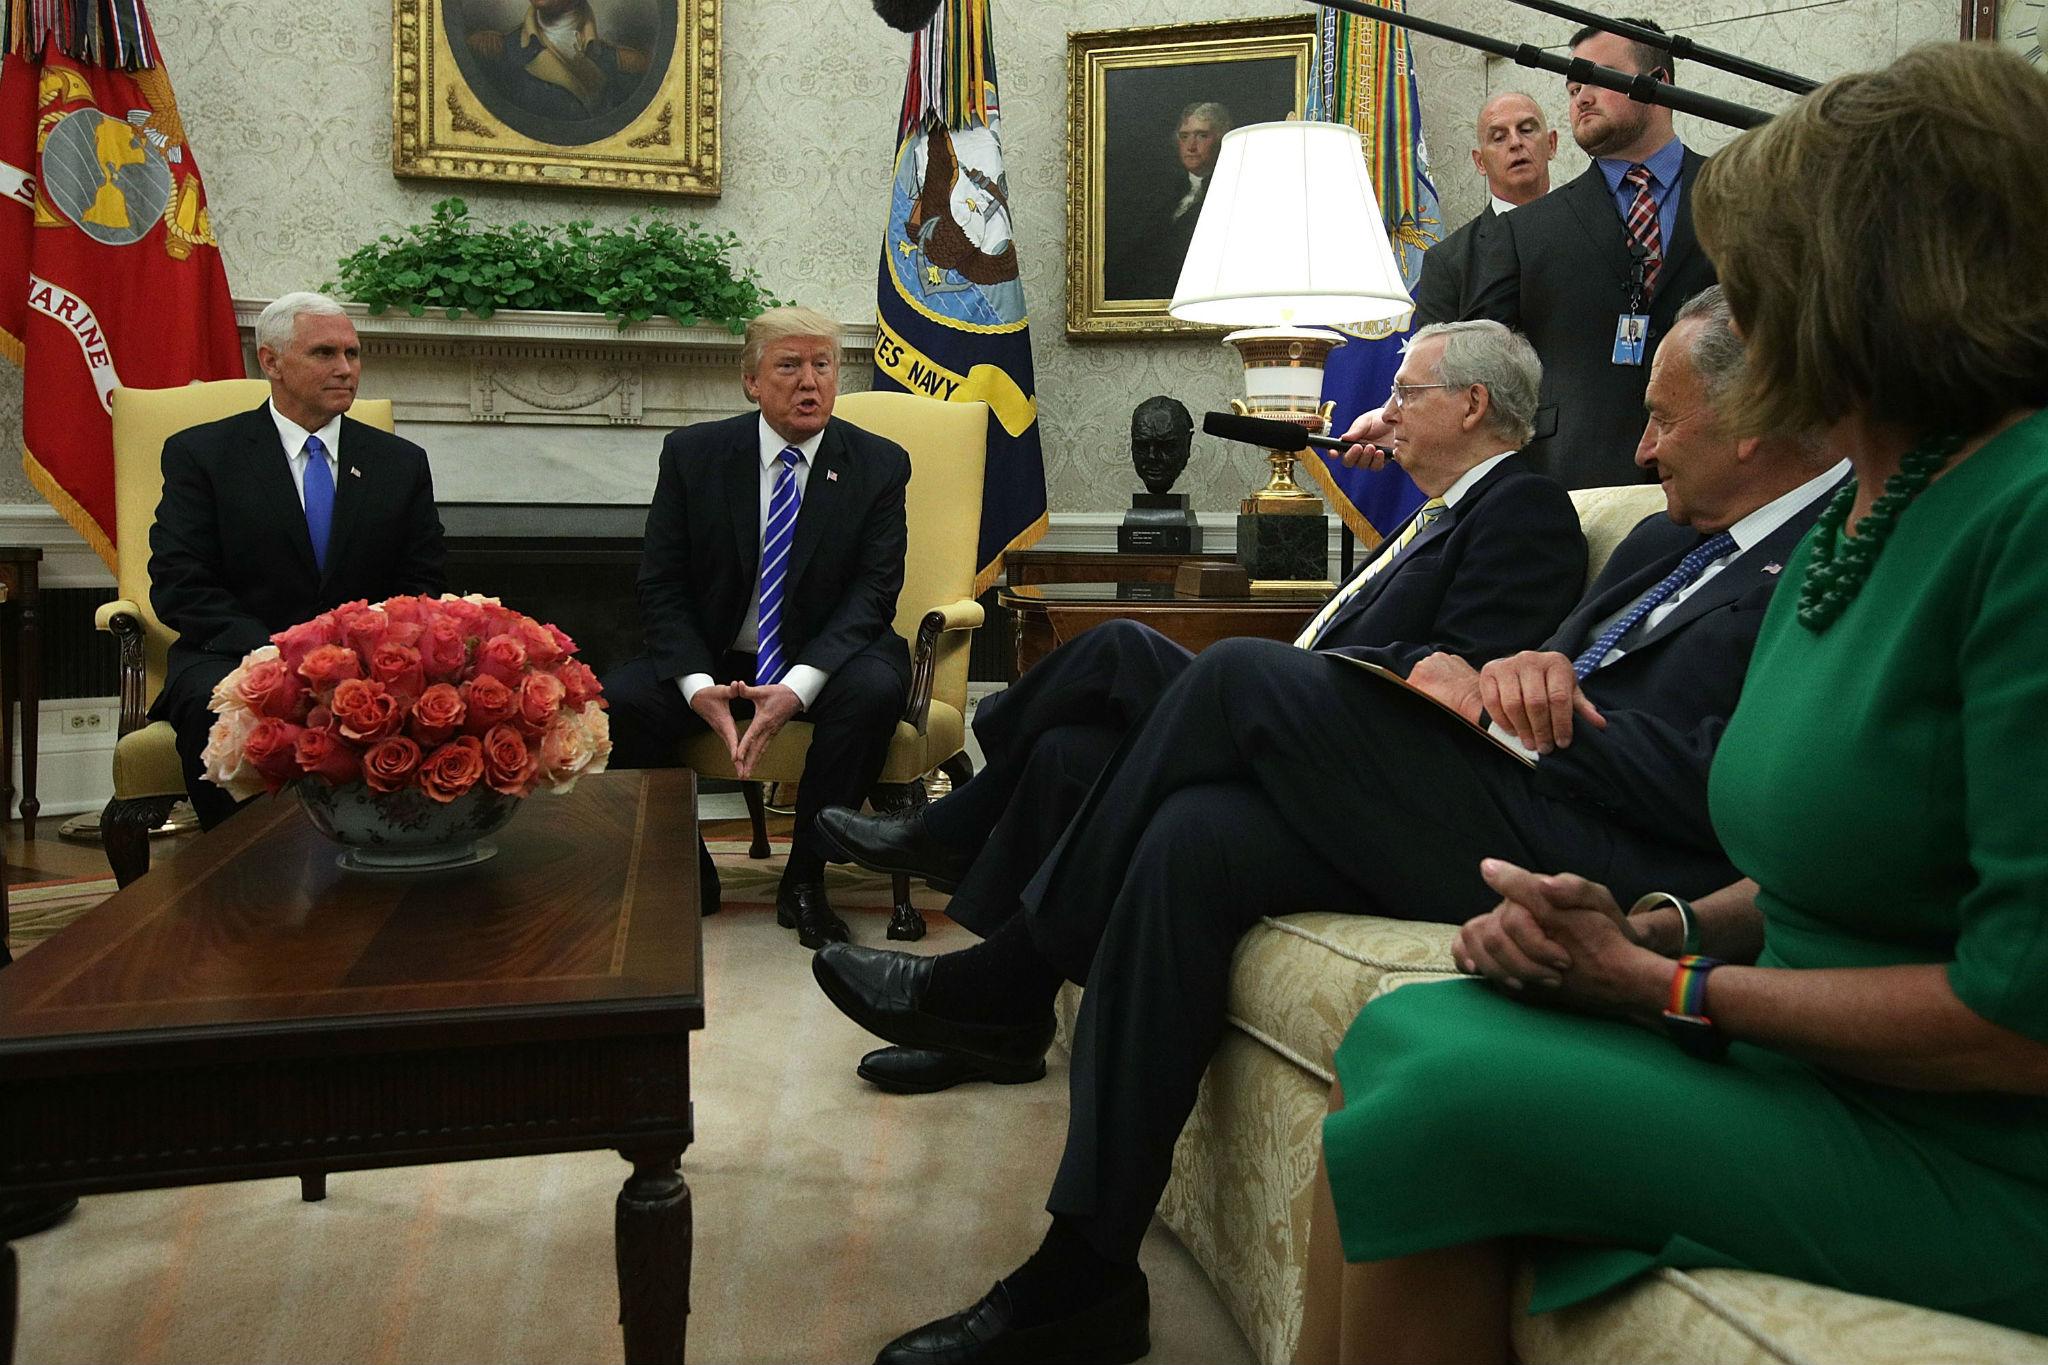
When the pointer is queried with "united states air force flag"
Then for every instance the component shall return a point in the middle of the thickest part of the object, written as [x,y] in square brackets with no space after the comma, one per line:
[949,305]
[1363,78]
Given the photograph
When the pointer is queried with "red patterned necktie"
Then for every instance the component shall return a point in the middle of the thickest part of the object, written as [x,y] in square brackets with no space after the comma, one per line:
[1643,228]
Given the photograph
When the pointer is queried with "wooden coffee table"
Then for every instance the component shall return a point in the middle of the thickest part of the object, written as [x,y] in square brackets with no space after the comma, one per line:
[250,1010]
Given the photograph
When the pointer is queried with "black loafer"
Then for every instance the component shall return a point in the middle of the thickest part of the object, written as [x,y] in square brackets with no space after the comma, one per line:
[802,906]
[895,842]
[1114,1331]
[924,1071]
[884,992]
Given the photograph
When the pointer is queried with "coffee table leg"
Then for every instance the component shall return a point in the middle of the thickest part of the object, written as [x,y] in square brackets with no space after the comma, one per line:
[653,1235]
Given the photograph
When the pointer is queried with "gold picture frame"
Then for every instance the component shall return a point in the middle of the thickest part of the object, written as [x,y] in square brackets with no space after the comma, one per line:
[480,92]
[1129,185]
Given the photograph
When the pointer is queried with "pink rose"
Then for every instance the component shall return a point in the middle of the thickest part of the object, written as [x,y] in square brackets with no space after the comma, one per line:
[501,657]
[295,644]
[443,650]
[579,683]
[398,668]
[510,765]
[390,763]
[328,665]
[269,689]
[452,769]
[465,613]
[364,710]
[322,754]
[489,703]
[363,630]
[541,647]
[271,750]
[437,714]
[540,697]
[406,609]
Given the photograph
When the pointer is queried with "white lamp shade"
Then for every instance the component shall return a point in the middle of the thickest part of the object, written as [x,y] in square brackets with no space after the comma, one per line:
[1290,234]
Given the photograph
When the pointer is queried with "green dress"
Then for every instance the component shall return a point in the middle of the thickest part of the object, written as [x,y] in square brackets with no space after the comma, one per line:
[1884,784]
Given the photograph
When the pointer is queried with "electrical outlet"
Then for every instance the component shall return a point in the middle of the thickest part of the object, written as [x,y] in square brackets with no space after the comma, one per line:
[75,721]
[95,720]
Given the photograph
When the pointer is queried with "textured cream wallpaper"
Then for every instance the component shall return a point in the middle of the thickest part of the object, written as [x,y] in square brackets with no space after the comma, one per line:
[288,106]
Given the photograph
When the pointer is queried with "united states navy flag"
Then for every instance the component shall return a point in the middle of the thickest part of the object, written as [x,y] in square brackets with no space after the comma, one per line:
[949,305]
[1364,78]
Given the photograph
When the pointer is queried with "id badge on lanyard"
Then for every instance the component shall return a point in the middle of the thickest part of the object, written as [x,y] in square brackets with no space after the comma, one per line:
[1632,328]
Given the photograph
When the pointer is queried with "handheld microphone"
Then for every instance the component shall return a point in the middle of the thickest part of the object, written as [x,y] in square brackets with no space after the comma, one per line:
[1268,434]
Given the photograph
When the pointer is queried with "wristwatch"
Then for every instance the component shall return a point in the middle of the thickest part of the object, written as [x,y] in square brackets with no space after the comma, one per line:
[1685,1017]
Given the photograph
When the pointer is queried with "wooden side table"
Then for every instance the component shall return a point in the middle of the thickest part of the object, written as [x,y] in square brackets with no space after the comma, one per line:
[21,664]
[1021,568]
[1047,615]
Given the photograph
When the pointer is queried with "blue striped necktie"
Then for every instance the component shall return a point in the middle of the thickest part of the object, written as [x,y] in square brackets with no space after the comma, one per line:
[1689,568]
[775,542]
[318,491]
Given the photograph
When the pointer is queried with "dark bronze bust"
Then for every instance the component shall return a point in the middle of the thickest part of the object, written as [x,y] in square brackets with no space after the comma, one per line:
[1161,431]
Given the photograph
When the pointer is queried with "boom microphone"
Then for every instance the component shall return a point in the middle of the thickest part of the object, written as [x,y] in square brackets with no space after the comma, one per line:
[909,15]
[1268,434]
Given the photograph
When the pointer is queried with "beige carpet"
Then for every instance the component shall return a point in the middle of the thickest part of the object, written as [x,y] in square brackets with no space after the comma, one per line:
[829,1217]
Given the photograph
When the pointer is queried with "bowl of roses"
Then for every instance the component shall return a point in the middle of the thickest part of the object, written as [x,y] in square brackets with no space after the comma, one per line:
[410,728]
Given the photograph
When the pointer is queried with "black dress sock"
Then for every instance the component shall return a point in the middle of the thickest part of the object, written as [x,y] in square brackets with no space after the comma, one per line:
[1066,1274]
[964,817]
[1002,979]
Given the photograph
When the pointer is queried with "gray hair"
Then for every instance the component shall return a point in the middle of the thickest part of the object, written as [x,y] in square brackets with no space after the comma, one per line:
[1211,112]
[777,324]
[279,321]
[1502,361]
[1720,358]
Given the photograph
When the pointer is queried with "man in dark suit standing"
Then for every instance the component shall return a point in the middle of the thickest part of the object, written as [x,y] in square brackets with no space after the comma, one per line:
[1594,272]
[1486,567]
[1268,781]
[1514,153]
[768,584]
[274,516]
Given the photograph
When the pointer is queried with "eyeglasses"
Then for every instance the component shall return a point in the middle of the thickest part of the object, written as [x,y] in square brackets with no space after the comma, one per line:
[1401,392]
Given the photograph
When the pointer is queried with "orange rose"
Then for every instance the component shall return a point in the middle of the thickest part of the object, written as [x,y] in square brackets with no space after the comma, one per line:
[437,714]
[270,751]
[295,644]
[466,614]
[510,765]
[579,684]
[541,647]
[390,763]
[452,769]
[398,668]
[443,650]
[364,710]
[363,630]
[501,657]
[269,689]
[540,696]
[489,701]
[327,665]
[323,754]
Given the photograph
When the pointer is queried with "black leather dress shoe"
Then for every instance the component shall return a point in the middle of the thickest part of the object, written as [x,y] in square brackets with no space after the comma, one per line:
[1112,1331]
[20,1217]
[924,1071]
[802,906]
[895,842]
[884,992]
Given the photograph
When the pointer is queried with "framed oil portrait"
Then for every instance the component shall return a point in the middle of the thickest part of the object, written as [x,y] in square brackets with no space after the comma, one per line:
[606,94]
[1146,108]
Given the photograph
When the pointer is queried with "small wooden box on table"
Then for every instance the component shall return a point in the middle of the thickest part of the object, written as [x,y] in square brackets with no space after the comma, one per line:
[250,1010]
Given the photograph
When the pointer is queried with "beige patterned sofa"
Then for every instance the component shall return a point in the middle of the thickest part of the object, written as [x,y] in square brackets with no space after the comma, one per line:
[1243,1175]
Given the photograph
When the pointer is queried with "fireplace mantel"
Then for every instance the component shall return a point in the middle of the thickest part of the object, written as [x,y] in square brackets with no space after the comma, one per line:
[538,407]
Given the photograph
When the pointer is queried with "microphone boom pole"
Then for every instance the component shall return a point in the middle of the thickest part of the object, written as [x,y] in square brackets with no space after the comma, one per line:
[1642,89]
[1679,46]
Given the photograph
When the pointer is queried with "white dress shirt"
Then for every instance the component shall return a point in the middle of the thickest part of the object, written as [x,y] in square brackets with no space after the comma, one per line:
[293,437]
[807,682]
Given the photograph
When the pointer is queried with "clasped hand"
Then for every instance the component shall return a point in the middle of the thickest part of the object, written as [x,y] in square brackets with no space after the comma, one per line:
[1533,695]
[773,705]
[1565,937]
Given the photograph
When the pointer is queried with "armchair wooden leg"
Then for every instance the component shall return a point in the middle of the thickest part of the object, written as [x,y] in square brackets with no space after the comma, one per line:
[124,833]
[905,923]
[313,1188]
[960,768]
[757,811]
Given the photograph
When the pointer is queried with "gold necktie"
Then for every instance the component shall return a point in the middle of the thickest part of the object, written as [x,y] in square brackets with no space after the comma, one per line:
[1431,510]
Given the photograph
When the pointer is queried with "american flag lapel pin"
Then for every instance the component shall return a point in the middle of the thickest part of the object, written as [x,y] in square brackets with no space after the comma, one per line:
[1774,567]
[354,473]
[831,476]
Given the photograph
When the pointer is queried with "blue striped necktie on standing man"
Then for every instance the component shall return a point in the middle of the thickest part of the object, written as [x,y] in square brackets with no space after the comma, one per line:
[769,665]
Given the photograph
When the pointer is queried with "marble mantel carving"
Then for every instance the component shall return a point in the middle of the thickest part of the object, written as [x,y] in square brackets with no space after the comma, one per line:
[535,407]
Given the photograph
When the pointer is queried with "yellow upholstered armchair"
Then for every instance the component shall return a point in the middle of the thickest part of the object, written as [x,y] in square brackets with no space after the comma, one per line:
[936,612]
[147,777]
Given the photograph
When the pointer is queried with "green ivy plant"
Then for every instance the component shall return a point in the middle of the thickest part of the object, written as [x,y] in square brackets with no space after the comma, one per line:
[646,268]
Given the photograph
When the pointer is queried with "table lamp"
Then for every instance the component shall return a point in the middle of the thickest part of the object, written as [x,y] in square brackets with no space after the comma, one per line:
[1290,244]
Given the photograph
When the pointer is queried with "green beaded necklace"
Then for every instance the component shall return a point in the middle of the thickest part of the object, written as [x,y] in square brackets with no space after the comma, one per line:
[1838,566]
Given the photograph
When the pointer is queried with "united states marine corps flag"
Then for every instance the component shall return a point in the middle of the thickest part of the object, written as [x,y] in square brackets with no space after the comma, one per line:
[950,307]
[109,273]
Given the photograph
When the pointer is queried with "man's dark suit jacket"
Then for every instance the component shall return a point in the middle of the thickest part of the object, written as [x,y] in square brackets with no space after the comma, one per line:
[231,561]
[701,558]
[1445,286]
[1486,579]
[1669,696]
[1557,270]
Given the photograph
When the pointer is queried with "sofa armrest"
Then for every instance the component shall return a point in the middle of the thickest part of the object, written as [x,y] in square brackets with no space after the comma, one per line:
[965,614]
